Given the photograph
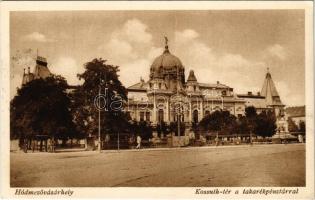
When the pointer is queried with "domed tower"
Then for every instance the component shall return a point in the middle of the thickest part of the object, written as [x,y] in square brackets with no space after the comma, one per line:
[192,84]
[169,68]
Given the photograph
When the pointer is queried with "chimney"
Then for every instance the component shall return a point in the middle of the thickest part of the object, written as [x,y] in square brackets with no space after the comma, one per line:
[250,93]
[218,82]
[258,93]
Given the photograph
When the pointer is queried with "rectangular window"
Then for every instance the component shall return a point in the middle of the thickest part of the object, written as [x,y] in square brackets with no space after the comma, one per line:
[147,116]
[141,116]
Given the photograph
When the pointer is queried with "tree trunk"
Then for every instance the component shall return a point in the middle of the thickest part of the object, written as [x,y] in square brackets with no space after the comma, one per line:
[41,145]
[25,145]
[46,145]
[33,145]
[53,144]
[64,141]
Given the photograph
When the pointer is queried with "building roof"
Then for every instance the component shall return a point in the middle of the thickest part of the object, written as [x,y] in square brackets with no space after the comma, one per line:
[166,61]
[270,92]
[212,85]
[192,76]
[297,111]
[250,95]
[41,69]
[256,102]
[142,86]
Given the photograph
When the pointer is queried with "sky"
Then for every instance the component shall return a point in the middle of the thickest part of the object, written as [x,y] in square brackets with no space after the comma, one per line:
[233,47]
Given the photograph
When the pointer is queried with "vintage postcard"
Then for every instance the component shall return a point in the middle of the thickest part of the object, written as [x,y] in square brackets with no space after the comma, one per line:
[157,100]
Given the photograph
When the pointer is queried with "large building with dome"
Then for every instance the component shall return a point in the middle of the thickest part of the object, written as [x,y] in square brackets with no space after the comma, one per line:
[167,95]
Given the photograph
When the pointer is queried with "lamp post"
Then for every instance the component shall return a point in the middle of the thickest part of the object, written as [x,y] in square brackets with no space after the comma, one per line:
[99,117]
[99,109]
[222,102]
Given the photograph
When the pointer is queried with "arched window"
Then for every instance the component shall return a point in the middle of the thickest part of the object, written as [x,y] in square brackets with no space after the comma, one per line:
[207,112]
[160,116]
[160,85]
[195,116]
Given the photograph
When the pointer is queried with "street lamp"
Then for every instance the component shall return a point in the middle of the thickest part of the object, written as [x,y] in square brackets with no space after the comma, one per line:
[222,102]
[99,117]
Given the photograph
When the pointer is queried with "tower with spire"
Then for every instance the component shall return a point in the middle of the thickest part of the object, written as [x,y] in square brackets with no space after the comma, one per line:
[192,84]
[272,96]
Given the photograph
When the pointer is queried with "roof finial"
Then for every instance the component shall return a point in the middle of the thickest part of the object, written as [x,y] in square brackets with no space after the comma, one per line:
[166,40]
[166,44]
[267,69]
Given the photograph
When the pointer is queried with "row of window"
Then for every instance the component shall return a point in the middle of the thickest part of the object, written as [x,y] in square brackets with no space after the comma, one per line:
[195,88]
[146,115]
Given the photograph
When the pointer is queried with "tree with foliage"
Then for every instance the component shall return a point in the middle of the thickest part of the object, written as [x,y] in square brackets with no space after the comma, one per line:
[251,117]
[242,127]
[250,112]
[145,130]
[42,107]
[219,121]
[266,124]
[174,128]
[100,78]
[162,128]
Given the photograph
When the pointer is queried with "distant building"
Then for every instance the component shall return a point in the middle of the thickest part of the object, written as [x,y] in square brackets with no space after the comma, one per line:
[268,99]
[167,97]
[297,114]
[41,71]
[156,100]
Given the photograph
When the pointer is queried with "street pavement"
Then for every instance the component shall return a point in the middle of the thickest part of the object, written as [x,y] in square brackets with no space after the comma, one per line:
[230,166]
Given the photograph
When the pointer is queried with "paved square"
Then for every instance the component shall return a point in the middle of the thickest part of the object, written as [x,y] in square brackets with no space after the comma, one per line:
[233,166]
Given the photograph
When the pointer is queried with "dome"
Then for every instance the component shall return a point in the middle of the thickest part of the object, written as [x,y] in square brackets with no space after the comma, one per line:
[167,61]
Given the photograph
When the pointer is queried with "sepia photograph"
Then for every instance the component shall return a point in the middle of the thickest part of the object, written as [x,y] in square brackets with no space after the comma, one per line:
[178,98]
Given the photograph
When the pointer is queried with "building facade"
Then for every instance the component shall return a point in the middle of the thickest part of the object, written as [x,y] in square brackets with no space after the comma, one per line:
[167,96]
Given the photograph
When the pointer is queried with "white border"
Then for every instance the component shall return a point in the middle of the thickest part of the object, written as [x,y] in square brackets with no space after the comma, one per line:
[178,192]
